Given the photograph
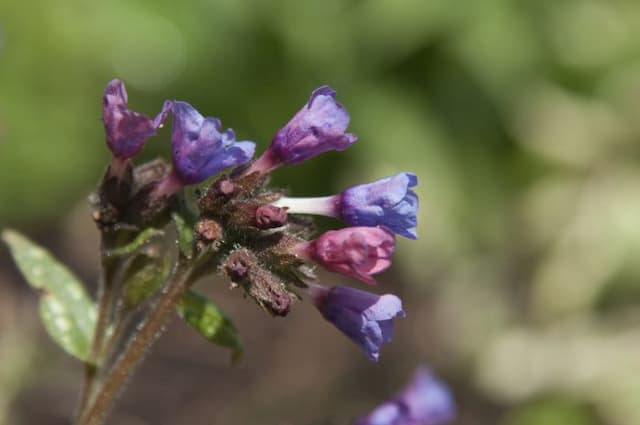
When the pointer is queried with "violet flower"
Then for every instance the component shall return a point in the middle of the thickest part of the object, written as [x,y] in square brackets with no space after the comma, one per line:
[366,318]
[200,147]
[127,130]
[318,127]
[387,202]
[425,401]
[358,252]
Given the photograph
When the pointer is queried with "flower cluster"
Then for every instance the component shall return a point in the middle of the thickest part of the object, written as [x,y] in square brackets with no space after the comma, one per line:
[252,233]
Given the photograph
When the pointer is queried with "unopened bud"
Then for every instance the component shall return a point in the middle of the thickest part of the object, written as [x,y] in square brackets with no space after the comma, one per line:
[270,216]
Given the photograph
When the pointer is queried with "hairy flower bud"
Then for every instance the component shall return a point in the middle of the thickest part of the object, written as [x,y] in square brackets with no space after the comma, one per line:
[267,290]
[126,130]
[318,127]
[269,216]
[358,252]
[425,401]
[367,319]
[200,147]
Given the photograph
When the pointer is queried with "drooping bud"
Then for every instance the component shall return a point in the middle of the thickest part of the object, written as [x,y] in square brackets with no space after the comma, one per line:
[126,131]
[267,290]
[318,127]
[200,147]
[358,252]
[425,401]
[366,318]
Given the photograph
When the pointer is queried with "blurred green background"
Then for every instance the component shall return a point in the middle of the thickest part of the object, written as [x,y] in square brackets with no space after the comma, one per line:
[520,117]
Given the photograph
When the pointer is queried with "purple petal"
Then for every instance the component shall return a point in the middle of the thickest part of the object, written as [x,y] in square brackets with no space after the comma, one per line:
[388,202]
[424,401]
[318,127]
[364,317]
[200,149]
[126,131]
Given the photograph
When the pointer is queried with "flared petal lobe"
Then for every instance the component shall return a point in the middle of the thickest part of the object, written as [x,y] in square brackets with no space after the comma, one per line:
[366,318]
[388,202]
[200,147]
[126,131]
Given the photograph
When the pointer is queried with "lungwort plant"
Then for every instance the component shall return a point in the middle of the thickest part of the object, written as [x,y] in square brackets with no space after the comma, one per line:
[237,225]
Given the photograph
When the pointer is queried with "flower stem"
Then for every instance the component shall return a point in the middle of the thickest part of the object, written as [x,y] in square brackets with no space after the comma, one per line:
[138,344]
[105,295]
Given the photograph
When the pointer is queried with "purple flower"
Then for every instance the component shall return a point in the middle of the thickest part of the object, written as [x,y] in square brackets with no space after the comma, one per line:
[126,130]
[318,127]
[425,401]
[200,147]
[358,252]
[389,202]
[367,319]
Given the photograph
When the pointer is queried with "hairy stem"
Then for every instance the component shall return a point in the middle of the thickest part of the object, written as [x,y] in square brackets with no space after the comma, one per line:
[138,344]
[105,295]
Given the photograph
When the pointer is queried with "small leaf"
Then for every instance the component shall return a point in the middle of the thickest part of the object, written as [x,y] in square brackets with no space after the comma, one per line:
[144,276]
[184,227]
[142,238]
[67,312]
[206,318]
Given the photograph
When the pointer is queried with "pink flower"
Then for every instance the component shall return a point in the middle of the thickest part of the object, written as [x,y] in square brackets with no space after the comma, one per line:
[358,252]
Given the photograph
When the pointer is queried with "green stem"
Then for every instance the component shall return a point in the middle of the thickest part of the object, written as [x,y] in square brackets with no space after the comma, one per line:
[105,295]
[138,344]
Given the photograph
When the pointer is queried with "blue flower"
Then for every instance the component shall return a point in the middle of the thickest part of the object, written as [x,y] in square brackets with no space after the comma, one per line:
[366,318]
[200,147]
[318,127]
[425,401]
[388,202]
[126,130]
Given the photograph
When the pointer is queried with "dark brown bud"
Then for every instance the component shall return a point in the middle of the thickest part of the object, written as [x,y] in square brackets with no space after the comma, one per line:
[270,216]
[266,289]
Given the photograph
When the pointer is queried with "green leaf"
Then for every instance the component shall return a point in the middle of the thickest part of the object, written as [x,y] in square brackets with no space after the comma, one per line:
[184,227]
[142,238]
[67,312]
[144,276]
[206,318]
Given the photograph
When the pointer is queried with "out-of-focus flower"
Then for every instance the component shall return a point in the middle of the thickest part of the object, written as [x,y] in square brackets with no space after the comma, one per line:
[366,318]
[200,147]
[387,202]
[318,127]
[126,130]
[358,252]
[425,401]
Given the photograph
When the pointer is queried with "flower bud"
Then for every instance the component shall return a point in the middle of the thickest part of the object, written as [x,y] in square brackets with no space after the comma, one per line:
[266,289]
[367,319]
[358,252]
[269,216]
